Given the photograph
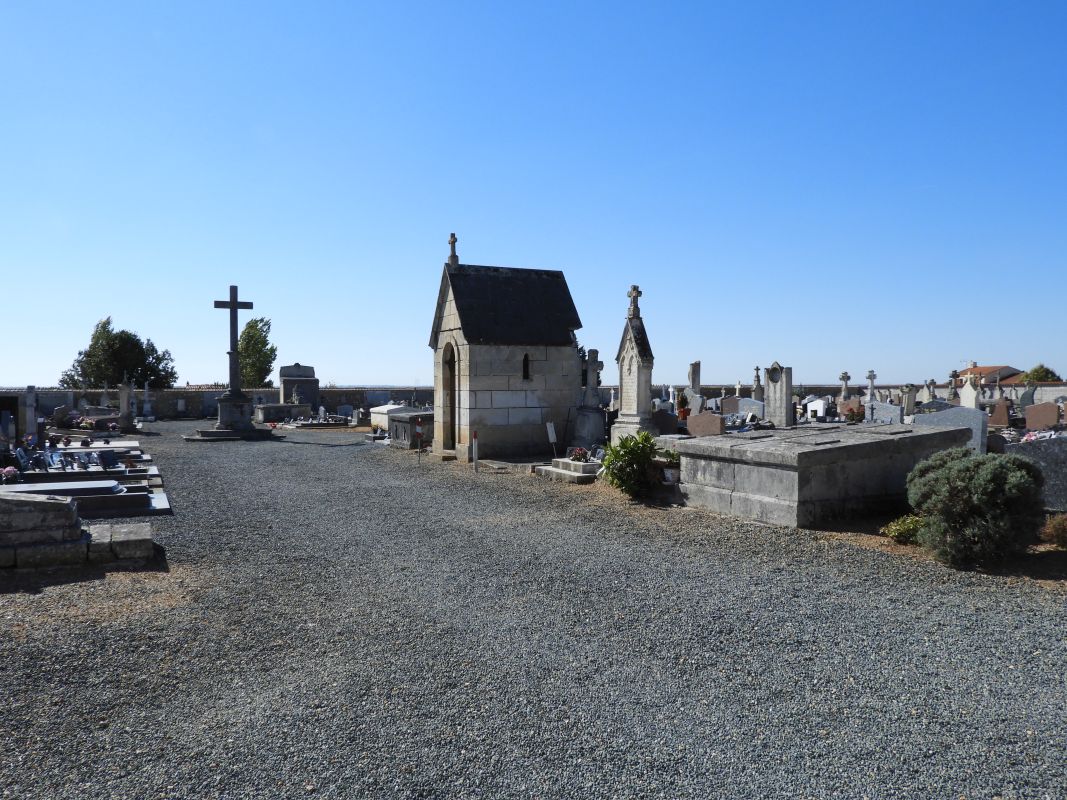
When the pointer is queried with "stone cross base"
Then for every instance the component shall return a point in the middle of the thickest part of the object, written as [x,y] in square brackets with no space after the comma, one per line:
[235,414]
[631,427]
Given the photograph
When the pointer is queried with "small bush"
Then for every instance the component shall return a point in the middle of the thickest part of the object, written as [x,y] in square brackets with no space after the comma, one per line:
[904,530]
[628,464]
[1055,530]
[976,509]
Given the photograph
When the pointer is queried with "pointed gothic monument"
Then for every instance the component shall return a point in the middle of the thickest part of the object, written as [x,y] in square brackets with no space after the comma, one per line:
[635,375]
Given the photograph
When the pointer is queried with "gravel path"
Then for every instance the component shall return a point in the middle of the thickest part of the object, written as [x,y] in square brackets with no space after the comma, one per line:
[339,622]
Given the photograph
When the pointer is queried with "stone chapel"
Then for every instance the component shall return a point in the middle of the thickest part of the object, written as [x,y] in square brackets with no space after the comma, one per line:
[506,360]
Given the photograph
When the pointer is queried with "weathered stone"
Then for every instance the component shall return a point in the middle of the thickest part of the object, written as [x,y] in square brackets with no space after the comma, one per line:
[746,405]
[132,541]
[778,395]
[100,551]
[802,477]
[706,424]
[51,554]
[1042,416]
[7,557]
[729,404]
[884,413]
[29,518]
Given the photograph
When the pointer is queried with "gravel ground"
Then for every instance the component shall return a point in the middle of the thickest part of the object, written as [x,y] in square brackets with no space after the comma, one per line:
[336,621]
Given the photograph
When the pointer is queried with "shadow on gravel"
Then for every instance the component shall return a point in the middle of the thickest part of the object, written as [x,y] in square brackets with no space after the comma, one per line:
[36,581]
[1044,563]
[320,444]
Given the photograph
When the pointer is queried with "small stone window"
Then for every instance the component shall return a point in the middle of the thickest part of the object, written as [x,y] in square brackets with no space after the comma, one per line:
[526,367]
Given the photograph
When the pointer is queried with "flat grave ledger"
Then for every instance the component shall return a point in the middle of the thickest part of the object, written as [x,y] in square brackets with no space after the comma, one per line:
[800,477]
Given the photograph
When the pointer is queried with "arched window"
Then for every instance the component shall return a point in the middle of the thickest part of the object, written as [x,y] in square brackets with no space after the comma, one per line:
[526,367]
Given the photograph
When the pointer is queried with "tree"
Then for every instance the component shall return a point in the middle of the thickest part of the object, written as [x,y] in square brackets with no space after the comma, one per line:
[256,352]
[113,356]
[1042,373]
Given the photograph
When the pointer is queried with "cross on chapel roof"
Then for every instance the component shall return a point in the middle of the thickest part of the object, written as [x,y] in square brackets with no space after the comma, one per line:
[633,294]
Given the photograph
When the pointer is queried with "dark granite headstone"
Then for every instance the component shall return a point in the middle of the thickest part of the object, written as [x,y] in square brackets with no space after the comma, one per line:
[729,405]
[665,422]
[958,417]
[1051,456]
[884,412]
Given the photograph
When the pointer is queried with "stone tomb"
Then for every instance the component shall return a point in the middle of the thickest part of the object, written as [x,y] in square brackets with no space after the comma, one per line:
[1042,416]
[635,360]
[800,477]
[298,385]
[405,426]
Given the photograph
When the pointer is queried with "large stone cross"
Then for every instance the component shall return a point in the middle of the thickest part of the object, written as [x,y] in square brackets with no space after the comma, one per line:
[633,294]
[593,366]
[235,363]
[452,257]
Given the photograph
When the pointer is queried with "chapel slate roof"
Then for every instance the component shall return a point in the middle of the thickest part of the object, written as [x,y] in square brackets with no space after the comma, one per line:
[509,306]
[636,327]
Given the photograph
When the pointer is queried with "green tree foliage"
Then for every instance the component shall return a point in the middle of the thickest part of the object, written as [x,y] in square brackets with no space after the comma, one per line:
[1042,373]
[113,356]
[977,509]
[256,352]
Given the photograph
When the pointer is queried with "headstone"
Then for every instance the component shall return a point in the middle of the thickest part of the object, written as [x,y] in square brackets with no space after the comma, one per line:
[614,404]
[757,387]
[1042,416]
[778,396]
[958,417]
[1051,456]
[737,389]
[125,417]
[635,362]
[344,410]
[996,443]
[885,413]
[871,377]
[61,416]
[694,377]
[928,392]
[844,377]
[746,405]
[590,420]
[695,398]
[146,406]
[1001,417]
[322,413]
[953,377]
[664,422]
[970,394]
[935,405]
[728,405]
[104,399]
[706,424]
[908,395]
[1027,397]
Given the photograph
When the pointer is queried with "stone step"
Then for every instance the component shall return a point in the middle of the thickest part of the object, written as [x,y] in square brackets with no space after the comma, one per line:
[581,467]
[565,475]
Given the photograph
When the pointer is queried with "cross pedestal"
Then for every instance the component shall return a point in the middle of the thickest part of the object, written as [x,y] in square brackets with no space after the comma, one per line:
[235,408]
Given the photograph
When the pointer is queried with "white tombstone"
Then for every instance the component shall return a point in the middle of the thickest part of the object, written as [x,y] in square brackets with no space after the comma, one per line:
[970,393]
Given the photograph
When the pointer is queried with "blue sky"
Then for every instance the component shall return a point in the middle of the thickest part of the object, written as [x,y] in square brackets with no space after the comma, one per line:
[833,186]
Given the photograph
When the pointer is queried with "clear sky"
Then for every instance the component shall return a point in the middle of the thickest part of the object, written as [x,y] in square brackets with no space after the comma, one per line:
[834,186]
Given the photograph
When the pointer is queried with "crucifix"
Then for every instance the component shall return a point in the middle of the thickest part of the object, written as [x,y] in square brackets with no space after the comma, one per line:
[633,294]
[452,257]
[235,365]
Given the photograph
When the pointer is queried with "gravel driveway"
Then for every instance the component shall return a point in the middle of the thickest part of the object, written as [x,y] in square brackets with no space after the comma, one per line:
[338,621]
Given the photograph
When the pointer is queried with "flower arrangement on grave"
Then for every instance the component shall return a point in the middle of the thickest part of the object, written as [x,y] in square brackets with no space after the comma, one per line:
[112,426]
[580,454]
[9,475]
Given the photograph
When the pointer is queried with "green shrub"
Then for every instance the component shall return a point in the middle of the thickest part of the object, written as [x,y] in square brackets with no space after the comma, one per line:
[904,530]
[1055,530]
[628,464]
[976,509]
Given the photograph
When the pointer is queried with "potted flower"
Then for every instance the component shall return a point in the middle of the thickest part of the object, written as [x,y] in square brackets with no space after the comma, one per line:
[580,454]
[9,475]
[683,406]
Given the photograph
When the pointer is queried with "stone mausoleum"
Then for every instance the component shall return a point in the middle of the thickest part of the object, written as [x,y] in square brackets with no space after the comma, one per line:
[506,360]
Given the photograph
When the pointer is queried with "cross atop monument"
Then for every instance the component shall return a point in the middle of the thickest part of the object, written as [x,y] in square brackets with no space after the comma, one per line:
[633,294]
[235,364]
[452,257]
